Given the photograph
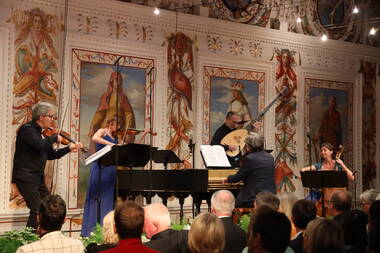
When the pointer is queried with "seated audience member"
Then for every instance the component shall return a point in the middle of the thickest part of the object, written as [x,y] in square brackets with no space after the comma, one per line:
[110,238]
[269,231]
[51,216]
[354,225]
[367,198]
[266,198]
[129,223]
[323,235]
[206,234]
[303,212]
[157,229]
[374,228]
[341,203]
[287,200]
[222,205]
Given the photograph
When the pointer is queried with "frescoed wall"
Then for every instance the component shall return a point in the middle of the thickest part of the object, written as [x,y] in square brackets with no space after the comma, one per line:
[180,75]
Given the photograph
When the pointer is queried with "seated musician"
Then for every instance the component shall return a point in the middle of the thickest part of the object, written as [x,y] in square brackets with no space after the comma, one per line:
[256,171]
[328,163]
[231,123]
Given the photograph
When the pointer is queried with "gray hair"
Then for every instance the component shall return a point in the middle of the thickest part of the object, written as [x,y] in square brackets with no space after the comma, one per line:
[266,198]
[223,202]
[41,109]
[255,141]
[158,214]
[369,196]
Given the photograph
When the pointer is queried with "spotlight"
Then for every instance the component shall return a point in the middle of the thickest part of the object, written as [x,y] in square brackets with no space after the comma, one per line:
[324,37]
[156,11]
[299,20]
[355,10]
[372,31]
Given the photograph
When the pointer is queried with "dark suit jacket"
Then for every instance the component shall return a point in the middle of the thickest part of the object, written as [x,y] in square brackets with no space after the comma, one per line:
[236,239]
[257,173]
[130,245]
[93,247]
[170,241]
[297,244]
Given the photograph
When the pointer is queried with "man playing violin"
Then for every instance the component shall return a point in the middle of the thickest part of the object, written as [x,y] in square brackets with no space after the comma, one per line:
[32,151]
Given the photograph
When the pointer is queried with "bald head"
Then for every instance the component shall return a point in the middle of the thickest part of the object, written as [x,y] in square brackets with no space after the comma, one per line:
[222,203]
[157,219]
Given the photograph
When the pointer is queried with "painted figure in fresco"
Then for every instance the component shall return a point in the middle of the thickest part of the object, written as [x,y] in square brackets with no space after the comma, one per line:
[330,129]
[239,104]
[181,76]
[35,62]
[107,107]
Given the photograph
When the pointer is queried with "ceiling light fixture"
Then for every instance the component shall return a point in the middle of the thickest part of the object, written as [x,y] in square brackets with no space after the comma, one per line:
[372,31]
[355,10]
[156,11]
[299,20]
[324,37]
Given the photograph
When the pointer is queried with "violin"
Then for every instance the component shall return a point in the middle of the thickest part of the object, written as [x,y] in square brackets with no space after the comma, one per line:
[131,131]
[66,137]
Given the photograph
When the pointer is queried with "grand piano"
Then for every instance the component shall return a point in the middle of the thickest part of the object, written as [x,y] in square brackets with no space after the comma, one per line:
[199,183]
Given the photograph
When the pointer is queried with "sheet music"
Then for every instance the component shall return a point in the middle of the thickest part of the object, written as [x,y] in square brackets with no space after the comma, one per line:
[214,156]
[98,154]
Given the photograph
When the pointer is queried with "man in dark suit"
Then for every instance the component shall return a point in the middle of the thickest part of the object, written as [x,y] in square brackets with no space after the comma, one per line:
[256,171]
[157,229]
[32,152]
[303,212]
[129,223]
[222,205]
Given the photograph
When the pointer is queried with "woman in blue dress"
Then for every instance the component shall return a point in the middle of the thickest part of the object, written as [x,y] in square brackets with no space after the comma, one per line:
[106,188]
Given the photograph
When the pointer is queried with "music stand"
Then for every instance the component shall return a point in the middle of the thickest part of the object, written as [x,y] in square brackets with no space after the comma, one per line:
[165,157]
[130,155]
[324,179]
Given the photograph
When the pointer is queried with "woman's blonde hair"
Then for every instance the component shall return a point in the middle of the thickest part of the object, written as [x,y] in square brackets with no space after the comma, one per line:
[109,235]
[206,234]
[287,201]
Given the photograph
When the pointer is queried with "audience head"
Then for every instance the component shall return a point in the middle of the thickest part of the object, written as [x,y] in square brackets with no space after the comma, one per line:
[255,142]
[266,198]
[341,201]
[367,198]
[52,213]
[287,200]
[109,235]
[269,231]
[354,225]
[157,219]
[222,203]
[129,220]
[323,235]
[206,234]
[374,210]
[303,212]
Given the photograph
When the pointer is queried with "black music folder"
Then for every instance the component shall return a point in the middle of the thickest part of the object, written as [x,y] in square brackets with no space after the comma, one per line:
[130,155]
[324,178]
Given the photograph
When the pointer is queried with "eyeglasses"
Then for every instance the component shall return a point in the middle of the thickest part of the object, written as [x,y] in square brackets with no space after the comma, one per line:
[51,116]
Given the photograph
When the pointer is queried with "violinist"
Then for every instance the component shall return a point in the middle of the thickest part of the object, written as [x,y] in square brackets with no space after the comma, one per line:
[32,151]
[104,190]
